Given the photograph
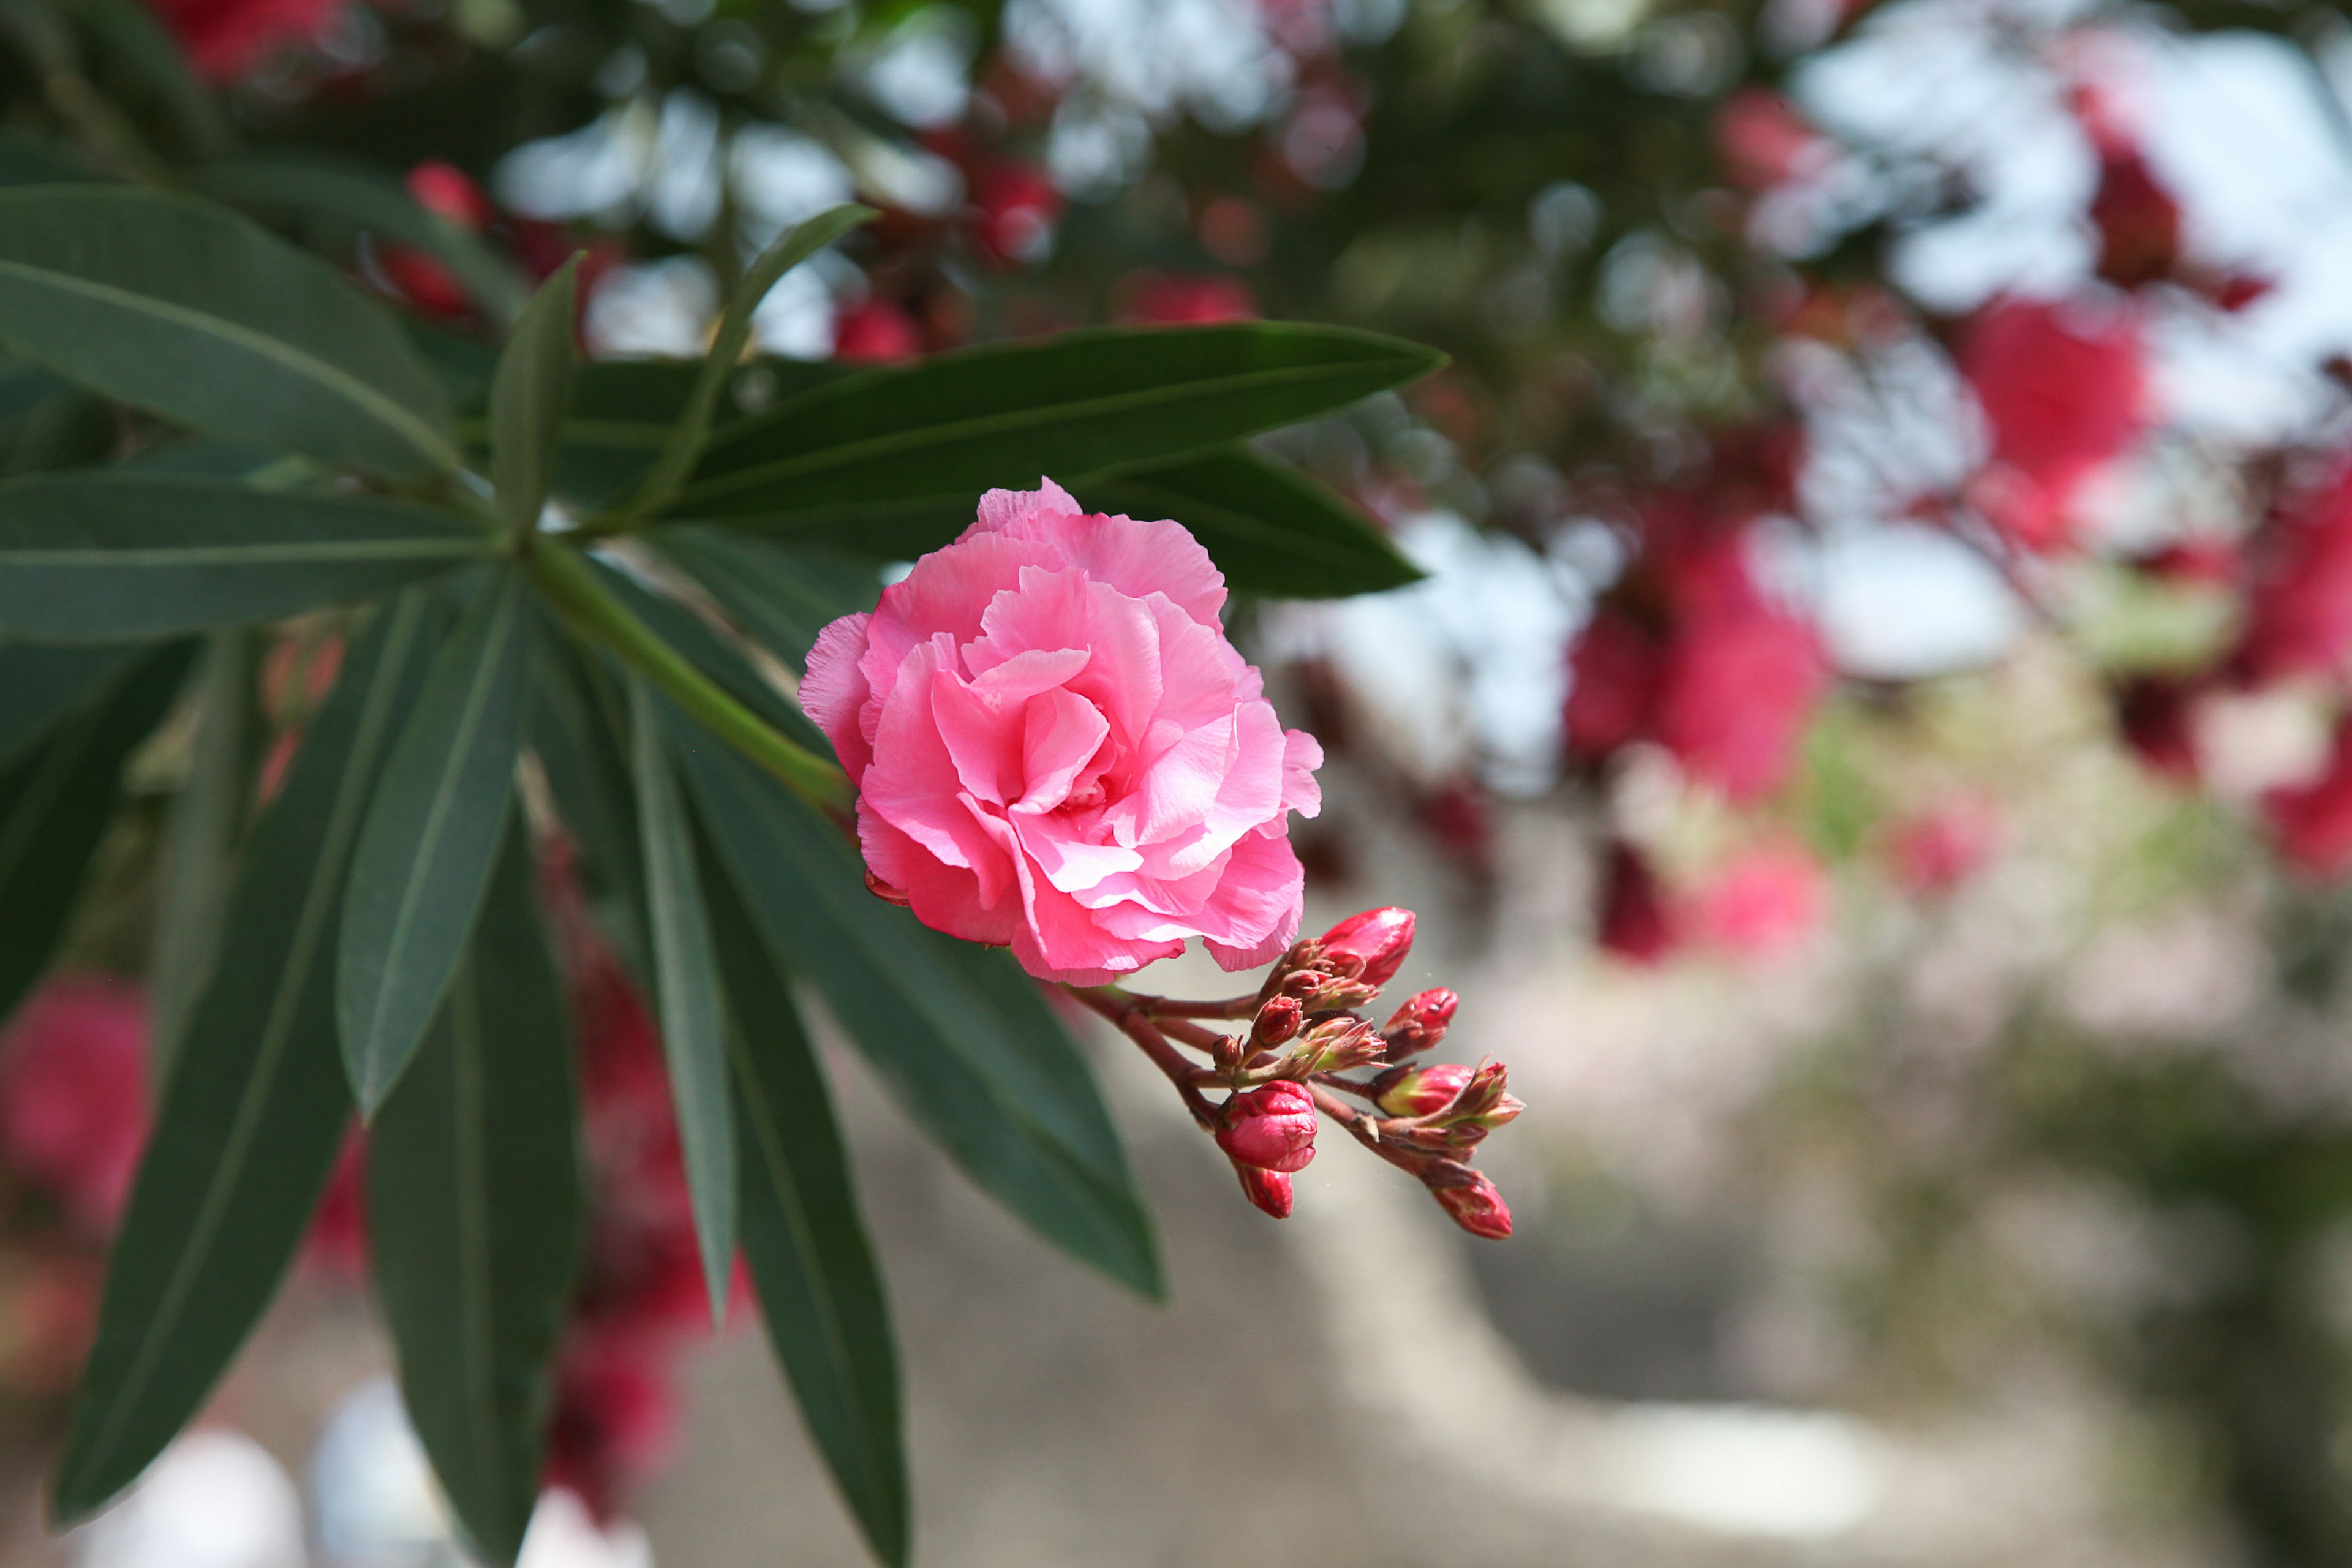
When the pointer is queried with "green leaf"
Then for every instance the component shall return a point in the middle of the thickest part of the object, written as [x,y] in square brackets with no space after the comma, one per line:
[1270,529]
[527,398]
[686,993]
[96,558]
[201,838]
[431,836]
[304,185]
[962,1037]
[39,683]
[133,37]
[691,430]
[248,1127]
[474,1214]
[875,445]
[820,1292]
[692,638]
[622,411]
[191,311]
[55,804]
[779,597]
[576,728]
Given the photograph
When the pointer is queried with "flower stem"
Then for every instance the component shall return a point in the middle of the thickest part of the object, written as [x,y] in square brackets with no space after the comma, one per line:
[591,609]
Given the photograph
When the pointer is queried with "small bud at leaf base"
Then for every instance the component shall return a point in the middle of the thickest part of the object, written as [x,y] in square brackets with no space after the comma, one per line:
[1420,1091]
[1269,1190]
[1477,1207]
[1278,1021]
[1420,1023]
[1378,938]
[1483,1095]
[1271,1128]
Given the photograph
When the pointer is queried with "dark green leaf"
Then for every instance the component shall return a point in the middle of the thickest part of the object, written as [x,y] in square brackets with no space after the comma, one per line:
[95,558]
[187,310]
[1270,529]
[713,654]
[690,431]
[200,842]
[686,993]
[424,859]
[960,1034]
[352,194]
[39,683]
[779,597]
[872,447]
[526,399]
[576,728]
[132,37]
[474,1216]
[55,804]
[248,1126]
[819,1290]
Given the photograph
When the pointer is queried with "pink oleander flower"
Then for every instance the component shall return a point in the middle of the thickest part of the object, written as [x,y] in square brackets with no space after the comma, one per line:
[1272,1128]
[73,1095]
[1056,750]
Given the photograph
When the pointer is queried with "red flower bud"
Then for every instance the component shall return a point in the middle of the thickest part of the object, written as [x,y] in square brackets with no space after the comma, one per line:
[1269,1190]
[1420,1091]
[1271,1128]
[1420,1023]
[1475,1207]
[1377,939]
[1278,1021]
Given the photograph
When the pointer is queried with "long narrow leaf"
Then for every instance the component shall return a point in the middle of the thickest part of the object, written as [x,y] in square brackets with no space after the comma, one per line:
[87,558]
[201,839]
[1081,404]
[820,1291]
[474,1216]
[686,994]
[55,804]
[41,682]
[191,311]
[577,728]
[780,596]
[961,1037]
[526,399]
[423,858]
[248,1127]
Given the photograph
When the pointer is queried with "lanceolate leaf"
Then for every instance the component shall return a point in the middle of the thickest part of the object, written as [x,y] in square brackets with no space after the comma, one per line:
[820,1292]
[780,596]
[39,683]
[714,654]
[686,993]
[527,398]
[431,836]
[474,1216]
[250,1124]
[577,727]
[960,1034]
[86,558]
[1081,404]
[193,312]
[1269,528]
[355,196]
[55,804]
[200,843]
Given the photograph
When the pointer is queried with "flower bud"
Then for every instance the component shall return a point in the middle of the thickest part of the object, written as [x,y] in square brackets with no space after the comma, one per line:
[1475,1207]
[1278,1021]
[1484,1100]
[1336,1045]
[1376,940]
[1269,1190]
[1271,1128]
[1421,1022]
[1420,1091]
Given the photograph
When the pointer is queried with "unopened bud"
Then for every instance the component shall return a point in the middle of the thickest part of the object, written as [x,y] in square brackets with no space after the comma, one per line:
[1278,1021]
[1474,1204]
[1338,1046]
[1441,1138]
[1484,1100]
[1421,1022]
[1271,1128]
[1420,1091]
[1269,1190]
[1370,946]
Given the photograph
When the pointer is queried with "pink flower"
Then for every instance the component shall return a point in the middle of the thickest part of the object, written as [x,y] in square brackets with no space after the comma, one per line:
[1613,669]
[2313,822]
[1378,940]
[1421,1091]
[2299,612]
[1943,847]
[1271,1128]
[1635,924]
[226,38]
[878,332]
[1168,299]
[1737,692]
[73,1095]
[2063,397]
[1056,750]
[1768,898]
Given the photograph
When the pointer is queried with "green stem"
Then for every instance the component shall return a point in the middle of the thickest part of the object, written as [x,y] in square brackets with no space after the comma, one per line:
[567,580]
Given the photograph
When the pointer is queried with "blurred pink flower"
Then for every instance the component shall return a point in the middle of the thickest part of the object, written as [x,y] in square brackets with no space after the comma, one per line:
[1737,692]
[2299,611]
[1936,850]
[73,1095]
[1765,901]
[1056,750]
[877,331]
[1635,924]
[2063,394]
[1170,299]
[226,38]
[2313,822]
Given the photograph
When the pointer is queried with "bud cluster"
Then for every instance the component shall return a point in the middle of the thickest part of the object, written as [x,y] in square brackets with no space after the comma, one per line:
[1303,1035]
